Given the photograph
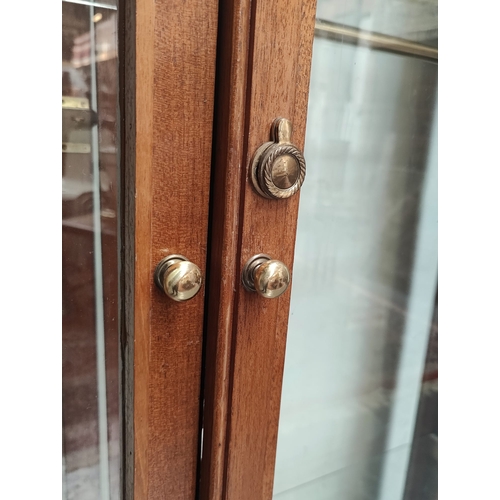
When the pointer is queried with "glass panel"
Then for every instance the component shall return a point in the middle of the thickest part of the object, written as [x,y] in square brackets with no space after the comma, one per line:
[90,268]
[362,321]
[415,20]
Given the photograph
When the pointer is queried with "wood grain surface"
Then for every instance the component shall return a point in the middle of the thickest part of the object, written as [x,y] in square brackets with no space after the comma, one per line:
[169,78]
[267,53]
[223,284]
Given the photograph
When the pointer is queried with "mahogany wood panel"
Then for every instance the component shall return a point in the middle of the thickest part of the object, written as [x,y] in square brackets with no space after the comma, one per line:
[268,45]
[169,78]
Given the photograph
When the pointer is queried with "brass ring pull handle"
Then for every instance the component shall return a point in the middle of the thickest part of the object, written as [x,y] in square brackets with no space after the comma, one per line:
[278,168]
[269,278]
[178,278]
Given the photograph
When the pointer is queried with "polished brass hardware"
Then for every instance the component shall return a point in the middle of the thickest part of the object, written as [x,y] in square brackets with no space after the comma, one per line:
[269,278]
[178,278]
[70,102]
[278,167]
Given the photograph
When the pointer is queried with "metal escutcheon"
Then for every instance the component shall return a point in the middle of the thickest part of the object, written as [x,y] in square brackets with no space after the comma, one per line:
[268,277]
[278,168]
[178,278]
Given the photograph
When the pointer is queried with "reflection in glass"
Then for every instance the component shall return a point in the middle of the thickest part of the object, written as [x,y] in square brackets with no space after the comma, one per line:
[90,268]
[415,20]
[361,354]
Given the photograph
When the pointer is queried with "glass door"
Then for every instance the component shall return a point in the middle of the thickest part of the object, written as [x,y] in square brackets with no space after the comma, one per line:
[90,180]
[358,418]
[134,232]
[355,417]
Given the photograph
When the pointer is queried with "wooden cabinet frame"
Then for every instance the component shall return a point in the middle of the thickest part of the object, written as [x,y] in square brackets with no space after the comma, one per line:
[263,73]
[252,58]
[168,55]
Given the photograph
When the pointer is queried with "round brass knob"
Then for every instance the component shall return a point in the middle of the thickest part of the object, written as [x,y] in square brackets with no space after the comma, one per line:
[178,278]
[278,167]
[268,277]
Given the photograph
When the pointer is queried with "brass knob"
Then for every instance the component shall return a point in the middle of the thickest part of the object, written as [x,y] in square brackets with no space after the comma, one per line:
[278,168]
[178,278]
[268,277]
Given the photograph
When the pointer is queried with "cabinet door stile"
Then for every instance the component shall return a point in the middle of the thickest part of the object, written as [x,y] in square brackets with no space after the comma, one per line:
[169,50]
[246,333]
